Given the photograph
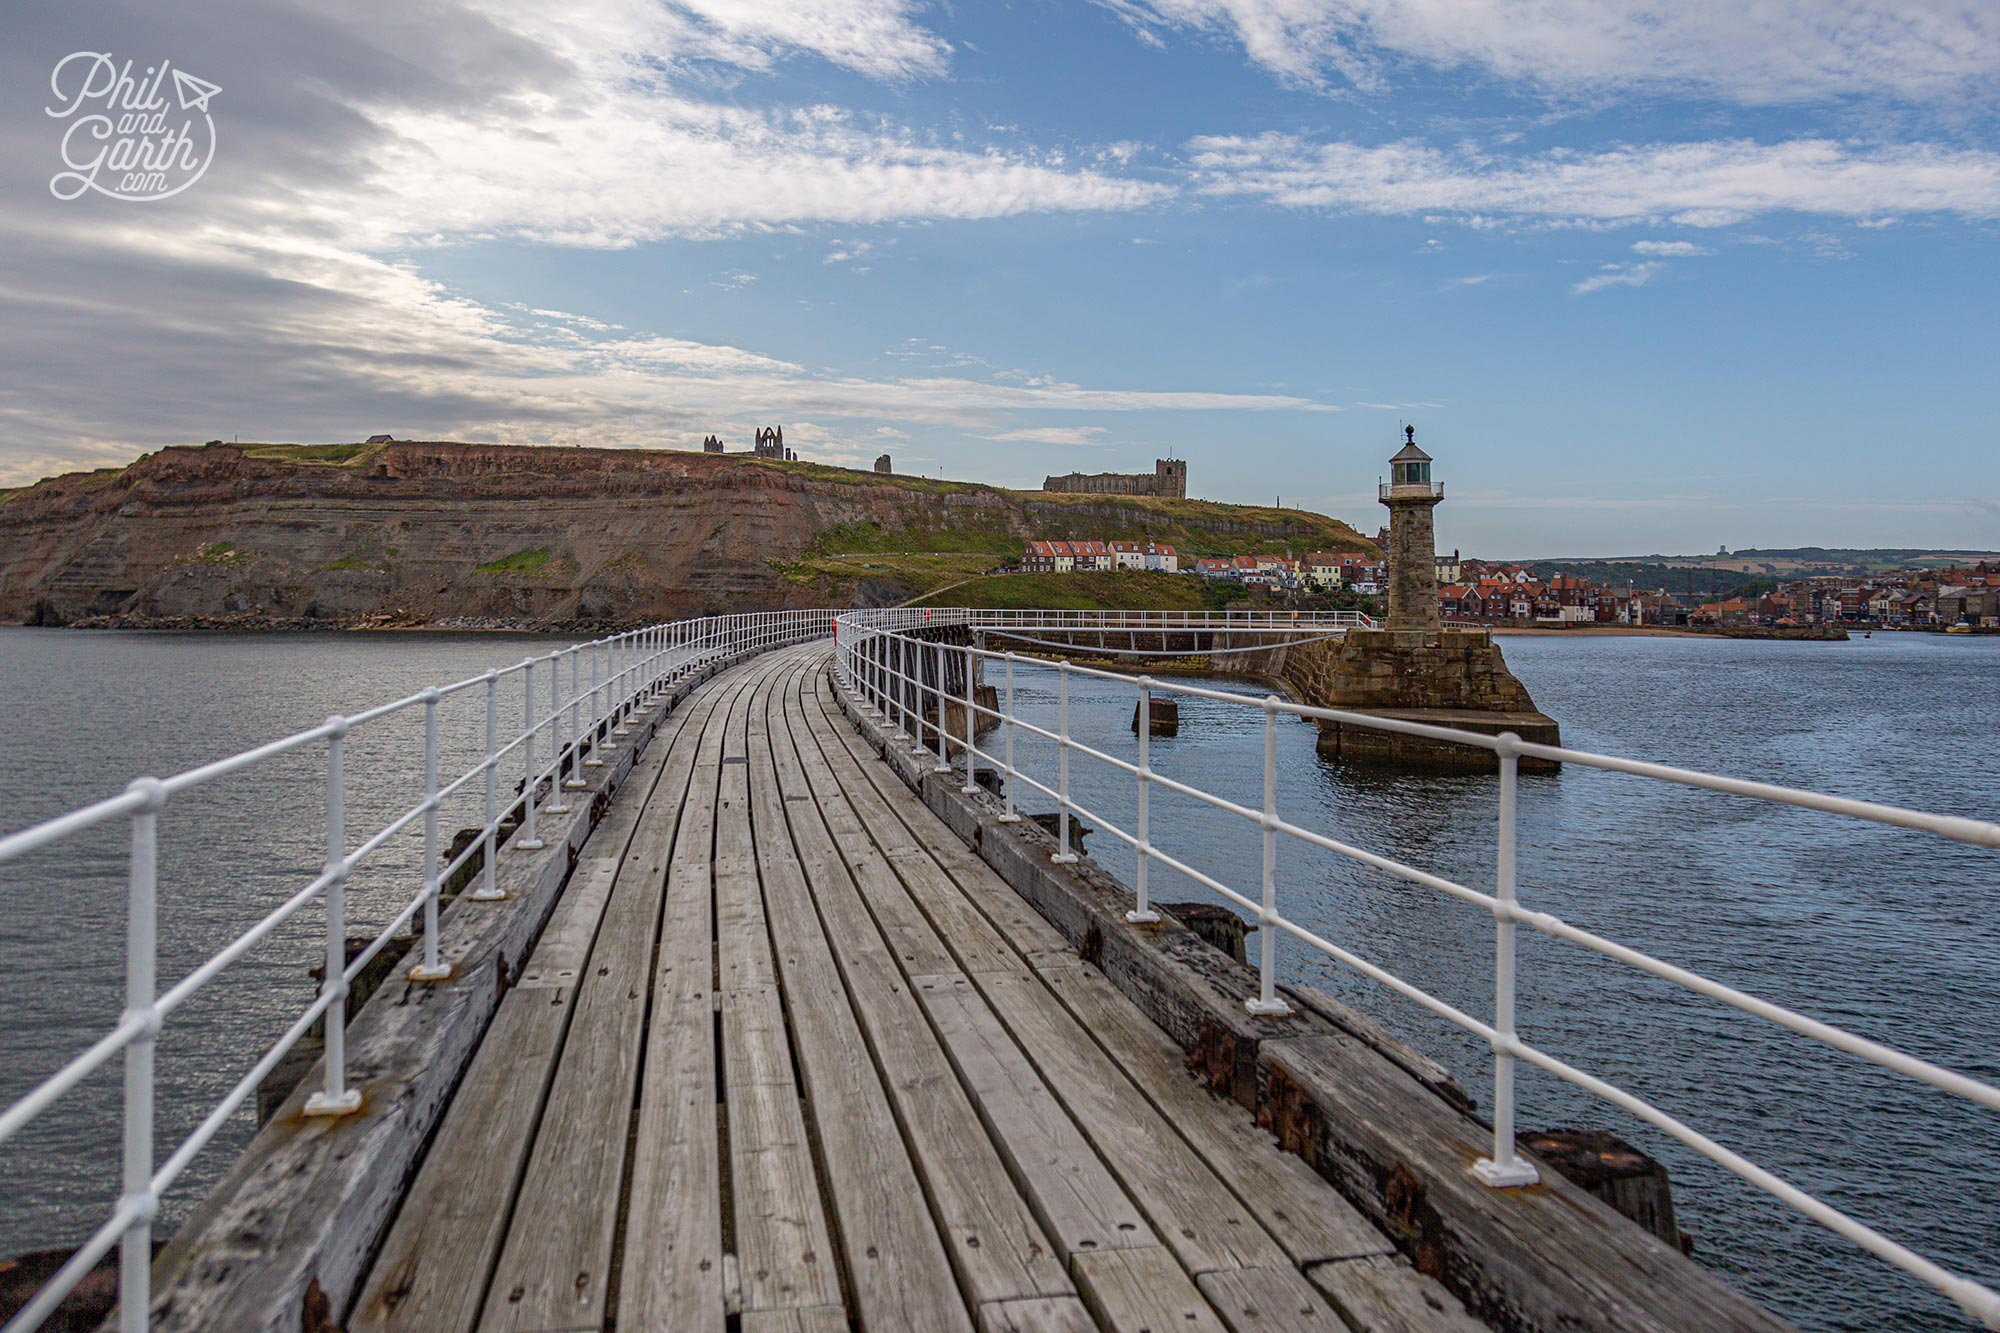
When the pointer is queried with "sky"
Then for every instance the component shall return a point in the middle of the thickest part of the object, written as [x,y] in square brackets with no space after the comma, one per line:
[1645,276]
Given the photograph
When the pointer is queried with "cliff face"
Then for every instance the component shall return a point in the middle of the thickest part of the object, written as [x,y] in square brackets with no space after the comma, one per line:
[422,533]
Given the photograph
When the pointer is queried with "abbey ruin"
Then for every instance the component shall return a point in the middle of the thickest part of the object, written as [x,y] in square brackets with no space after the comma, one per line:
[1168,478]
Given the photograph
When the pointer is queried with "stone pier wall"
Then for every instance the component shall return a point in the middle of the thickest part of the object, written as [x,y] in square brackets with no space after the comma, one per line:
[1450,678]
[1377,669]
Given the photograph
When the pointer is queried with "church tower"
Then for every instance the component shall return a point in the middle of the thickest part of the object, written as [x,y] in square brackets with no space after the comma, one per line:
[1412,551]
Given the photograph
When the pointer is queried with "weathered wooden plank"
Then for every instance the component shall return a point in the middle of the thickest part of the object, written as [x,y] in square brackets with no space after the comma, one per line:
[743,956]
[1142,1291]
[672,1261]
[784,1258]
[1015,918]
[1073,1193]
[1383,1294]
[1196,1216]
[310,1200]
[1269,1300]
[431,1273]
[431,1276]
[1305,1214]
[671,1274]
[555,1268]
[1540,1258]
[783,1253]
[999,1246]
[819,1319]
[974,944]
[1391,1047]
[896,1261]
[917,948]
[1046,1314]
[565,942]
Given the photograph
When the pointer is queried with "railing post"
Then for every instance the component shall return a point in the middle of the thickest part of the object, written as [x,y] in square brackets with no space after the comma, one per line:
[1142,913]
[142,939]
[879,667]
[971,753]
[558,803]
[530,779]
[901,680]
[596,759]
[1267,1002]
[1503,1168]
[937,691]
[607,704]
[1064,855]
[577,763]
[489,885]
[1008,814]
[626,699]
[430,969]
[335,1097]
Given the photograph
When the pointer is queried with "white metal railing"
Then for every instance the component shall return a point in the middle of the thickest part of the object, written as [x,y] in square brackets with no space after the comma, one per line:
[594,692]
[1263,621]
[896,674]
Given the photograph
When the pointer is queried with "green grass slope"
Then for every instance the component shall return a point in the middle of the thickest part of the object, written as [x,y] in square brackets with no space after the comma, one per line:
[1110,590]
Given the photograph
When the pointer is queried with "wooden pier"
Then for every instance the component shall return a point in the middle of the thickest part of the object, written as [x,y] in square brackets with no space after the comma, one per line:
[787,1050]
[783,1031]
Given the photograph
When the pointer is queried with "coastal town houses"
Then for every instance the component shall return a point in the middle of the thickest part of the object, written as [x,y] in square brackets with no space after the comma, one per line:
[1216,569]
[1047,558]
[1974,605]
[1145,555]
[1059,557]
[1496,593]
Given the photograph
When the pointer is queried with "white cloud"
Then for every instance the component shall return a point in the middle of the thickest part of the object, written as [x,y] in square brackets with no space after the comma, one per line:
[371,130]
[610,165]
[872,37]
[329,344]
[1670,249]
[1053,435]
[1706,184]
[1617,275]
[1776,51]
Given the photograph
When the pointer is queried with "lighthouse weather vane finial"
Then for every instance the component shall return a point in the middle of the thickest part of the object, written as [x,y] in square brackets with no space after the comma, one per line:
[1410,434]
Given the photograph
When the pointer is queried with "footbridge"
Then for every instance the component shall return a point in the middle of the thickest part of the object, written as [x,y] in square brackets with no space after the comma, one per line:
[749,999]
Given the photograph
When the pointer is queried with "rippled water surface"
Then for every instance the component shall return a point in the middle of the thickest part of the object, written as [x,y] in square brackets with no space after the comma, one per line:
[1889,933]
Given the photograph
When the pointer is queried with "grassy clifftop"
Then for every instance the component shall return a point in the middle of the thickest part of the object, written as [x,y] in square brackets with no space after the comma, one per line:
[1114,590]
[923,557]
[422,532]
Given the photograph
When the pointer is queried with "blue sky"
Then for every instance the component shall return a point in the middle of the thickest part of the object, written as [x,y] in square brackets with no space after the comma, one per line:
[1646,278]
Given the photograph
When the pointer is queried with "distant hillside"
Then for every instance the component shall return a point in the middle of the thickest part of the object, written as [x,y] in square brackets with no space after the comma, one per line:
[1115,590]
[1648,576]
[1792,561]
[425,533]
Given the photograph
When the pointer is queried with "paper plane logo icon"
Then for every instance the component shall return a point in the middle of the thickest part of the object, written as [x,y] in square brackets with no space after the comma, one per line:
[194,93]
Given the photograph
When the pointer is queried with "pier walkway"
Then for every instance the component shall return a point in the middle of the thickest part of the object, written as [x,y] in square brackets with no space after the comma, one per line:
[750,1011]
[788,1051]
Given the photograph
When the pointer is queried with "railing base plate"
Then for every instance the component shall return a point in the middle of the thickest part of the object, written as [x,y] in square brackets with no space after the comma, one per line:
[347,1103]
[1516,1172]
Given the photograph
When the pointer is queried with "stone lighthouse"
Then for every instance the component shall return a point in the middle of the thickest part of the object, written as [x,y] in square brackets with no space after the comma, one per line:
[1412,553]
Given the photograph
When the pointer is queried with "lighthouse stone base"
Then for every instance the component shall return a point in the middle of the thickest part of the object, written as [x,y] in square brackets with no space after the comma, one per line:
[1445,678]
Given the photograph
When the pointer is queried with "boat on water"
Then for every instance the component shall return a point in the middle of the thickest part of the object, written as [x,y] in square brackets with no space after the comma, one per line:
[1960,628]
